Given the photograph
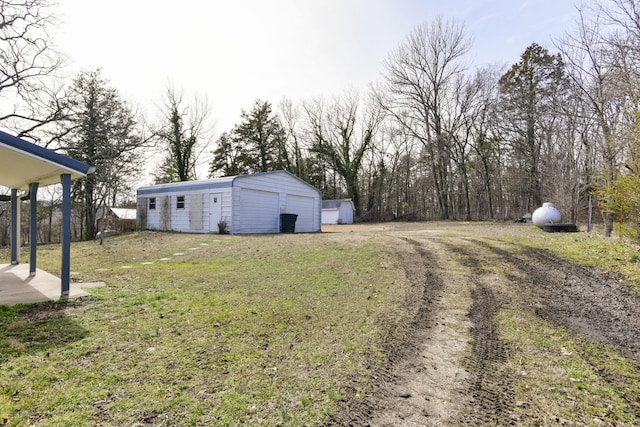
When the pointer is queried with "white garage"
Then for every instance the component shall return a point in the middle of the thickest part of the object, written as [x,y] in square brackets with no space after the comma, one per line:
[253,203]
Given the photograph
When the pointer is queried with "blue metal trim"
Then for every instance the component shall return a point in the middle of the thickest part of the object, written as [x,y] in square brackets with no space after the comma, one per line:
[15,226]
[185,186]
[65,178]
[46,154]
[33,227]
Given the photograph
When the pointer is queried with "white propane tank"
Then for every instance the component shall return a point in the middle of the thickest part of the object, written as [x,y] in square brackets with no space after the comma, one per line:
[547,214]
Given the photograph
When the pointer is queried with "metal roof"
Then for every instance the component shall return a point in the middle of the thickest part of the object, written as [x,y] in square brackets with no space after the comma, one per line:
[22,163]
[336,203]
[123,213]
[223,182]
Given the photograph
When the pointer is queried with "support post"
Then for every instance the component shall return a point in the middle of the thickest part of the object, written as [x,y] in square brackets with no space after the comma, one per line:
[33,227]
[590,213]
[66,235]
[15,227]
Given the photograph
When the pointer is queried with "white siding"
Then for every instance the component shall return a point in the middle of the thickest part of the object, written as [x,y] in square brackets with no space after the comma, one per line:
[250,204]
[330,216]
[287,188]
[258,211]
[303,207]
[153,216]
[227,211]
[338,211]
[179,217]
[196,212]
[163,204]
[186,219]
[346,213]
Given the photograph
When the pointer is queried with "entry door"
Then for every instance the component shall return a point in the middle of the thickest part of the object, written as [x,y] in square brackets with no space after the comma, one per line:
[215,211]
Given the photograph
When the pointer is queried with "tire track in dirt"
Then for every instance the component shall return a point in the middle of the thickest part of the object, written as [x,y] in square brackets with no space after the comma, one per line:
[448,368]
[419,386]
[491,383]
[583,300]
[416,394]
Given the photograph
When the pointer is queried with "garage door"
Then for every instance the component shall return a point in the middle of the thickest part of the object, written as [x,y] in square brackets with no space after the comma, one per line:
[303,207]
[259,211]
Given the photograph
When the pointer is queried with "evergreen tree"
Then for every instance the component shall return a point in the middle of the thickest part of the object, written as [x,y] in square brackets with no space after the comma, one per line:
[530,91]
[226,158]
[102,131]
[257,144]
[260,138]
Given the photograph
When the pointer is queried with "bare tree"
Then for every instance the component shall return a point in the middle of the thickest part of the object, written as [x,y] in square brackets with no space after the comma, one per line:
[404,158]
[341,133]
[592,63]
[480,126]
[420,77]
[184,132]
[28,97]
[623,18]
[291,122]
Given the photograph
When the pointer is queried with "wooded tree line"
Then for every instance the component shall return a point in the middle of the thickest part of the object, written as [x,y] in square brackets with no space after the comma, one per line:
[435,138]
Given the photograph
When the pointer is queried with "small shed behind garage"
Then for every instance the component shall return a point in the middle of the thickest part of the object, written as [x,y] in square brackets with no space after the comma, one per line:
[118,220]
[339,211]
[241,204]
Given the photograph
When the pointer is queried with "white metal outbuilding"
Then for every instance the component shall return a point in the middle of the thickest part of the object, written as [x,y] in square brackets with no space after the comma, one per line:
[251,203]
[339,211]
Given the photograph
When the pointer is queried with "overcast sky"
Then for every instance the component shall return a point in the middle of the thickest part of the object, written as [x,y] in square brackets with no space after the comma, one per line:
[233,52]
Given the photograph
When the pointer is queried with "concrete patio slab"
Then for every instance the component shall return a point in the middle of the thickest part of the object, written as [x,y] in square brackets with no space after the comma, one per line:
[17,287]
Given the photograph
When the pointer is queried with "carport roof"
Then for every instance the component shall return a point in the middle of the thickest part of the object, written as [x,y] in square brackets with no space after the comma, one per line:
[22,163]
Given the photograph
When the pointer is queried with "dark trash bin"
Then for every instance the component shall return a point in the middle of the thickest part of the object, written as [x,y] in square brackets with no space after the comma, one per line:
[288,223]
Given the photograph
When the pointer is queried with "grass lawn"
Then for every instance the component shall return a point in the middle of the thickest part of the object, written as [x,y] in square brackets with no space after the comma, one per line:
[223,330]
[200,330]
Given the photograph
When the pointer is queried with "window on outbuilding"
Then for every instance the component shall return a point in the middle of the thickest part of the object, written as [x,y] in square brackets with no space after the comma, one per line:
[180,202]
[152,203]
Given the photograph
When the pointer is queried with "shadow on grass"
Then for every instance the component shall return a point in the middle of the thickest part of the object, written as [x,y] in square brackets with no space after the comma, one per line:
[37,328]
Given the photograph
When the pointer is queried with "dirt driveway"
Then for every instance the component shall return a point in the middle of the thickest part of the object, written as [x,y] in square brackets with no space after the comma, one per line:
[454,362]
